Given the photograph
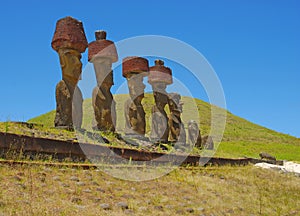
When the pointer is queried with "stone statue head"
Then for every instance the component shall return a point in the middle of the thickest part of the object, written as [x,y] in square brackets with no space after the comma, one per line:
[174,102]
[136,86]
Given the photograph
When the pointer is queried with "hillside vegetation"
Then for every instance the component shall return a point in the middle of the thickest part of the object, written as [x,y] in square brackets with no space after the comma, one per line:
[241,138]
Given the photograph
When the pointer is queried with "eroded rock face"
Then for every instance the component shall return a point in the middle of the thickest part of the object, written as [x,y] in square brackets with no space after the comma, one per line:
[102,53]
[69,41]
[134,69]
[194,135]
[176,127]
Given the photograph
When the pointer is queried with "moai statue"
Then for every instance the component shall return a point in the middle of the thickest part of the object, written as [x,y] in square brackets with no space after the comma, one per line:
[159,77]
[176,127]
[194,134]
[69,42]
[134,69]
[102,53]
[208,143]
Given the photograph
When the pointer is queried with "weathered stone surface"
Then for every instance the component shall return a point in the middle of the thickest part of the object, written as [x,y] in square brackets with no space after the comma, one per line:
[160,73]
[69,33]
[134,69]
[134,65]
[176,127]
[102,53]
[69,41]
[194,135]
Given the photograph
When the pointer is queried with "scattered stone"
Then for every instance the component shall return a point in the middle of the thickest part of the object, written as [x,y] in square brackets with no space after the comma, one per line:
[100,189]
[187,198]
[56,178]
[80,206]
[200,209]
[64,184]
[70,191]
[190,210]
[90,178]
[87,191]
[129,211]
[76,200]
[122,205]
[133,189]
[180,212]
[143,208]
[43,185]
[97,200]
[74,178]
[105,206]
[264,155]
[80,183]
[159,207]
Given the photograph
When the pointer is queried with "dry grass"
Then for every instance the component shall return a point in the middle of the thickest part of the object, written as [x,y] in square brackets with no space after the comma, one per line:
[39,190]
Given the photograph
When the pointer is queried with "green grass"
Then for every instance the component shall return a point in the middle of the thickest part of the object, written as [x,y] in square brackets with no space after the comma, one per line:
[241,137]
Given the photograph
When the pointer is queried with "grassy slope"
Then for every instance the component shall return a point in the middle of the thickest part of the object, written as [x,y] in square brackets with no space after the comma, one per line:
[241,137]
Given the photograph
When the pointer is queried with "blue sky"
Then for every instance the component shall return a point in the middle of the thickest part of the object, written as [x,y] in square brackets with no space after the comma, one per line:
[253,46]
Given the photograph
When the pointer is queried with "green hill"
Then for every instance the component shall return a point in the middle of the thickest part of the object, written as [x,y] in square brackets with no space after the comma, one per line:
[241,138]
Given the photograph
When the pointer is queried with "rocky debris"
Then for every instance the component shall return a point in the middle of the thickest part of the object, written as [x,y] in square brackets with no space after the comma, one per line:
[74,178]
[105,206]
[190,210]
[264,155]
[159,207]
[287,167]
[128,211]
[80,183]
[76,200]
[122,205]
[56,178]
[87,191]
[64,184]
[100,189]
